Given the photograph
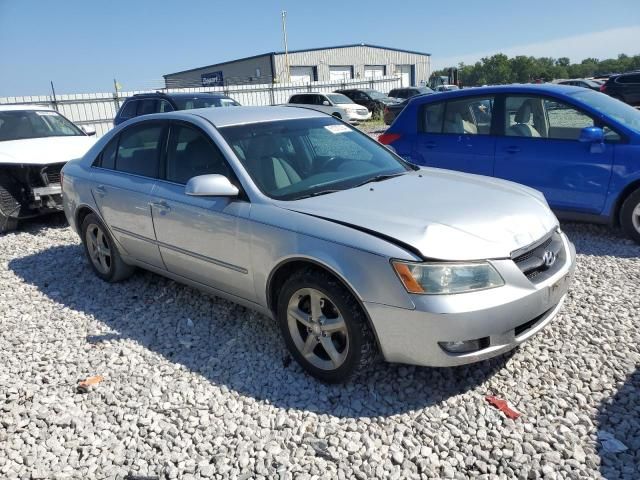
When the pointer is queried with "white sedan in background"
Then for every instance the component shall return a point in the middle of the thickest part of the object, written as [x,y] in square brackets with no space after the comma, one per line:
[336,104]
[35,143]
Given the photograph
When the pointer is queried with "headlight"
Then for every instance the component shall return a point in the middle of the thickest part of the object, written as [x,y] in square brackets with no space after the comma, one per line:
[446,278]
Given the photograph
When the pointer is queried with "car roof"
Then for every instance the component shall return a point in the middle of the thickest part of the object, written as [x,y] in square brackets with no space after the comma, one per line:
[9,108]
[224,117]
[516,88]
[179,95]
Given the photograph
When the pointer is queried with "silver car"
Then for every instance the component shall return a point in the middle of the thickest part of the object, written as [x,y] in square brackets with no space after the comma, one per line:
[305,219]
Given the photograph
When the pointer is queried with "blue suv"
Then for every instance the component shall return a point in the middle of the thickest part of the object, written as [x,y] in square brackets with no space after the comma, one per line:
[579,147]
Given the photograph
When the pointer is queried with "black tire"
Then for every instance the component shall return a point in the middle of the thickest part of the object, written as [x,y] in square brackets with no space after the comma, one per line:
[356,340]
[630,215]
[9,206]
[7,224]
[112,270]
[337,115]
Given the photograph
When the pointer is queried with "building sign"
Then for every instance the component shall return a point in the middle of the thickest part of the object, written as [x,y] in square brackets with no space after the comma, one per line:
[212,79]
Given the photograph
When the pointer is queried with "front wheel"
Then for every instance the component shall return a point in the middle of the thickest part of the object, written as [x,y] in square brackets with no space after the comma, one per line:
[323,327]
[337,115]
[630,215]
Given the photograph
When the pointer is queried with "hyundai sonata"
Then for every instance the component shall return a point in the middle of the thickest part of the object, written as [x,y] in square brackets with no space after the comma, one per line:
[299,216]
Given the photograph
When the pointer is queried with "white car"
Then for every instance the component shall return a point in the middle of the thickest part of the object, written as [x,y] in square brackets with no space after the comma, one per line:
[35,143]
[446,88]
[335,104]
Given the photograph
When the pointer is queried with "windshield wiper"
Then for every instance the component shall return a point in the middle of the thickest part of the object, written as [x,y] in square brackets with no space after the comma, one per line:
[321,192]
[379,178]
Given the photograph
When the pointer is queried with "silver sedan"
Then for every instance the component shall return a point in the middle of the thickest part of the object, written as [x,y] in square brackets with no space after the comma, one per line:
[301,217]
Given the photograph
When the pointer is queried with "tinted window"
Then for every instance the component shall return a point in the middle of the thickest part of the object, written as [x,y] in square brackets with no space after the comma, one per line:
[629,78]
[129,109]
[145,107]
[108,156]
[139,150]
[190,154]
[470,116]
[204,102]
[165,106]
[432,115]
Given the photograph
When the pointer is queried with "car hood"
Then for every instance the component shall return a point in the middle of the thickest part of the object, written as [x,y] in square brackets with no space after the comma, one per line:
[41,151]
[441,214]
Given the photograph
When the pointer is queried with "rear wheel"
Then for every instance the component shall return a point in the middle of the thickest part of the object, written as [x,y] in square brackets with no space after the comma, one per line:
[102,252]
[630,215]
[323,327]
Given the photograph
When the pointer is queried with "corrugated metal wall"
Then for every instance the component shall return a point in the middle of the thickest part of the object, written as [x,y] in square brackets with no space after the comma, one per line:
[233,73]
[357,57]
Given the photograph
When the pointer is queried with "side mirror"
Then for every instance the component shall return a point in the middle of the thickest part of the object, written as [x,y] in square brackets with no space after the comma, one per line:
[211,186]
[89,130]
[326,103]
[591,135]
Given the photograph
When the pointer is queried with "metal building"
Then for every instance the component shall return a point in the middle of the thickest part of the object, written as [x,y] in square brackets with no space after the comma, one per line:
[343,62]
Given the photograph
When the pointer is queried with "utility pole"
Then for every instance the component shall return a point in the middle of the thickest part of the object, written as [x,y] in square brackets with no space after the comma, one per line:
[286,48]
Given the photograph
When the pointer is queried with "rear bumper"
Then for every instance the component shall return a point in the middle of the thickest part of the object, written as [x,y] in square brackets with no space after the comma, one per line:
[499,319]
[354,117]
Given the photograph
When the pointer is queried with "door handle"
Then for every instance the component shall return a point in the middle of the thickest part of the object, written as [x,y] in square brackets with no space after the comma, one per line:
[162,206]
[513,149]
[101,190]
[430,145]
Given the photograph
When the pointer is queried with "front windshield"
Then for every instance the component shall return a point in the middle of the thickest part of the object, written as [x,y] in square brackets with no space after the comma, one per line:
[205,102]
[338,98]
[293,159]
[619,111]
[375,94]
[21,124]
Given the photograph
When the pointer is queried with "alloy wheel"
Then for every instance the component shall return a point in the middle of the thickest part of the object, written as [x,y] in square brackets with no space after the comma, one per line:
[99,248]
[635,218]
[318,329]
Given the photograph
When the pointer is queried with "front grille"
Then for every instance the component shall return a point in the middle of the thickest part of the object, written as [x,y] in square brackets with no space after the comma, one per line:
[542,259]
[51,173]
[361,111]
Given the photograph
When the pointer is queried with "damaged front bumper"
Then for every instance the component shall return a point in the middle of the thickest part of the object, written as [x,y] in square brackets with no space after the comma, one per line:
[30,190]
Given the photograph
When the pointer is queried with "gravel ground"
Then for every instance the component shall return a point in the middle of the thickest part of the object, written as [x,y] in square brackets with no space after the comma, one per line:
[197,387]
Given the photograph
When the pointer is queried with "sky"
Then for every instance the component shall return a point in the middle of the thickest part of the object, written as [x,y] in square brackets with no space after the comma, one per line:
[81,46]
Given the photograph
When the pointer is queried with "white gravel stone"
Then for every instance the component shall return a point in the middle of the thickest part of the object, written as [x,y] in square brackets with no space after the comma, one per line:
[225,406]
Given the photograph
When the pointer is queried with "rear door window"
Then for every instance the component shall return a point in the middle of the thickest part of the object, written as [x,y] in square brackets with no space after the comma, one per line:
[469,116]
[432,115]
[139,149]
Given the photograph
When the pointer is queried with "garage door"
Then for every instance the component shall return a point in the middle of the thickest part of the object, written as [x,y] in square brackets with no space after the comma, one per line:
[301,74]
[373,71]
[339,72]
[405,74]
